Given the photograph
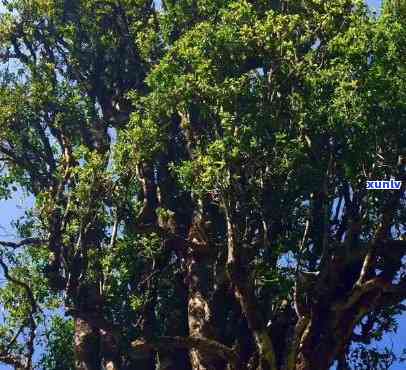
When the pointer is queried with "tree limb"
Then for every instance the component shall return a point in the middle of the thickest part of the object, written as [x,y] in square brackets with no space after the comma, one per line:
[200,343]
[22,243]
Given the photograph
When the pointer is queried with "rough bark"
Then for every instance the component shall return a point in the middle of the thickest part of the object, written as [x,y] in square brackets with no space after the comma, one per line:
[177,323]
[199,310]
[204,345]
[87,346]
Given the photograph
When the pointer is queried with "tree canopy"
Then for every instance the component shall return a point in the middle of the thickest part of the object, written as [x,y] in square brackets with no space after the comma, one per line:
[198,170]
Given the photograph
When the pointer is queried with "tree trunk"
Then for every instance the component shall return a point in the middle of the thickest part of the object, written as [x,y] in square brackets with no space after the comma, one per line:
[177,322]
[87,346]
[199,311]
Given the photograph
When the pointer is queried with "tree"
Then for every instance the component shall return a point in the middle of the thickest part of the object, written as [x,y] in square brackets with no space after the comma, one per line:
[199,173]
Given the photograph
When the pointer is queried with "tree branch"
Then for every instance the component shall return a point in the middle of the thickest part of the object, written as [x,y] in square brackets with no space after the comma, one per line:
[22,243]
[200,343]
[244,293]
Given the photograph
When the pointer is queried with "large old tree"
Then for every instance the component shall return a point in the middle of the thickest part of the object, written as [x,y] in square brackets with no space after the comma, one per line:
[198,171]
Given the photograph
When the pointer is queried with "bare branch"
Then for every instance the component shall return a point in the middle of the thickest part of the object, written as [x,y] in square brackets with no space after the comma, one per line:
[22,243]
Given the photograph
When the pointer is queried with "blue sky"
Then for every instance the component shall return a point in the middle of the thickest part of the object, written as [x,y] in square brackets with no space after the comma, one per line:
[14,208]
[374,3]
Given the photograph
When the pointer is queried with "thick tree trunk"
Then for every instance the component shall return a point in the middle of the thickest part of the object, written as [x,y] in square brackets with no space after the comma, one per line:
[199,311]
[87,346]
[96,340]
[177,323]
[328,331]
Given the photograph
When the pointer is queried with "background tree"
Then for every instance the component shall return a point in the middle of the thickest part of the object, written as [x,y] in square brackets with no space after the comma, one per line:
[199,174]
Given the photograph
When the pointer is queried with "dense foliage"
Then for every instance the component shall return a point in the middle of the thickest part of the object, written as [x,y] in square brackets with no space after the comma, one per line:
[199,172]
